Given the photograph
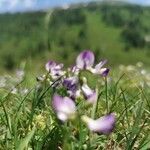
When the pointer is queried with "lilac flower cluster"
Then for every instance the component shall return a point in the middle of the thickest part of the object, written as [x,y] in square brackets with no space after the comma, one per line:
[65,107]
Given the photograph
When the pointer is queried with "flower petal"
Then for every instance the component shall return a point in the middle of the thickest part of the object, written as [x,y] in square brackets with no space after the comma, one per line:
[92,98]
[89,94]
[57,102]
[49,65]
[106,123]
[75,70]
[104,72]
[85,59]
[64,107]
[103,125]
[71,83]
[100,64]
[54,69]
[99,70]
[62,116]
[68,106]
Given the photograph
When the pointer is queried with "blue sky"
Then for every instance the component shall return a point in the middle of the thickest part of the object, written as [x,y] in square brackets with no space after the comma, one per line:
[24,5]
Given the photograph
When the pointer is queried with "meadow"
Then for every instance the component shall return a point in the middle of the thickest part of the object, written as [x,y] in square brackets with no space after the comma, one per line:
[111,31]
[54,94]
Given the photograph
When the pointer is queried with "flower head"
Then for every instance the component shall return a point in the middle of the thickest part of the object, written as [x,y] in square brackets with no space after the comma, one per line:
[99,70]
[103,125]
[85,60]
[50,65]
[71,84]
[64,107]
[89,94]
[54,69]
[75,70]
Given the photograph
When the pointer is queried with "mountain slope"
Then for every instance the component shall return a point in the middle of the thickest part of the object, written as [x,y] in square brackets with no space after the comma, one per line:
[116,32]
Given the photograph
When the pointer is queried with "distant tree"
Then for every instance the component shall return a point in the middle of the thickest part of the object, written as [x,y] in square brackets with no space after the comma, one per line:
[8,61]
[61,42]
[133,37]
[82,33]
[92,6]
[70,17]
[77,46]
[132,33]
[113,17]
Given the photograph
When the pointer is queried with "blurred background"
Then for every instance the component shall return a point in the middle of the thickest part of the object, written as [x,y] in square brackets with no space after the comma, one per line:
[34,31]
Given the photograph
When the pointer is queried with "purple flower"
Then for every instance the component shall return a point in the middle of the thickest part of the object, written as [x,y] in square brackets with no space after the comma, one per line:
[100,64]
[54,69]
[75,70]
[99,70]
[85,60]
[64,107]
[50,65]
[90,95]
[103,125]
[71,85]
[104,72]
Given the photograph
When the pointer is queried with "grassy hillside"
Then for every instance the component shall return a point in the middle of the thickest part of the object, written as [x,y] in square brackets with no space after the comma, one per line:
[63,108]
[116,32]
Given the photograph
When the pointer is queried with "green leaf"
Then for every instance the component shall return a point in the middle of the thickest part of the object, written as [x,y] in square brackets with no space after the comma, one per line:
[146,144]
[24,142]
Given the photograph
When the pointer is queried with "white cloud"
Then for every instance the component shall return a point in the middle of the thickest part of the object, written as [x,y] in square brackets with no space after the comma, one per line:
[146,2]
[29,3]
[142,2]
[8,3]
[11,4]
[24,5]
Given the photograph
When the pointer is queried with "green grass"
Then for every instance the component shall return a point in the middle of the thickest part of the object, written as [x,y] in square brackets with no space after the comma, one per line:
[28,121]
